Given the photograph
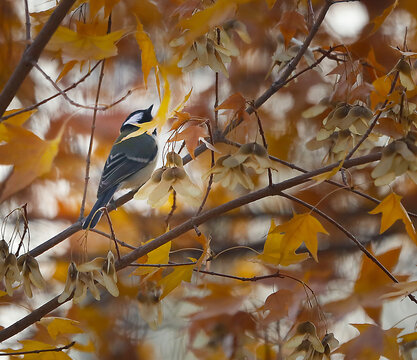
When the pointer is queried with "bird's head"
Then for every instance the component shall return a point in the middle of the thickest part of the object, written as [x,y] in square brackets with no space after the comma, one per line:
[137,117]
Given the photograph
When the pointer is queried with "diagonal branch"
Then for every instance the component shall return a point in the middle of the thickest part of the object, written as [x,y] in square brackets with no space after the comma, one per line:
[32,54]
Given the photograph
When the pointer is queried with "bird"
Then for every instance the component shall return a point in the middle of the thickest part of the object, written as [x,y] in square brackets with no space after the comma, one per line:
[129,165]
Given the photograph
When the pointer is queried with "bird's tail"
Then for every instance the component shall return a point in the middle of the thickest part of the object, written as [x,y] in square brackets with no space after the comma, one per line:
[94,216]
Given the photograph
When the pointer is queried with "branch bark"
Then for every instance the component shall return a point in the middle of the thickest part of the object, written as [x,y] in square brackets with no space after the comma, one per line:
[32,54]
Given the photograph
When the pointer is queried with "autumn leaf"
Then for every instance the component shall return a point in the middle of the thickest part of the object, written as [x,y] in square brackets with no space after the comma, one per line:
[378,21]
[271,3]
[301,228]
[237,103]
[401,290]
[278,251]
[30,156]
[392,210]
[161,116]
[17,120]
[328,174]
[191,135]
[175,278]
[277,305]
[81,46]
[372,343]
[148,56]
[382,86]
[158,256]
[57,326]
[234,102]
[202,21]
[369,288]
[290,23]
[96,5]
[85,348]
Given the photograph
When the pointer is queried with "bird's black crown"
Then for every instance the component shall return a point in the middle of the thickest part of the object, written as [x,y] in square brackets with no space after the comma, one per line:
[137,117]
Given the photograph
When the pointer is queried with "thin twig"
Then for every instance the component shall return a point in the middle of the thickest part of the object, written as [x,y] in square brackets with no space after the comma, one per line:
[27,24]
[210,182]
[32,54]
[72,102]
[35,106]
[261,131]
[374,122]
[93,127]
[216,101]
[25,228]
[120,242]
[112,233]
[39,351]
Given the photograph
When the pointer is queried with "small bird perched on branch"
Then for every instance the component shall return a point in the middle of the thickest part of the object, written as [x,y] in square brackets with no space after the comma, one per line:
[129,165]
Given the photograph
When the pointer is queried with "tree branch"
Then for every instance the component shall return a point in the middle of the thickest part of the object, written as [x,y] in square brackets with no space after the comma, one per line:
[32,54]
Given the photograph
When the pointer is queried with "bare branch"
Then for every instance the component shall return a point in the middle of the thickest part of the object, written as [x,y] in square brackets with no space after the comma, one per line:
[32,53]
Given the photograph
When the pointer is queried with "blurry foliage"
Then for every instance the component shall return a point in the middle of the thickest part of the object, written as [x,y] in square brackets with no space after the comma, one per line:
[270,279]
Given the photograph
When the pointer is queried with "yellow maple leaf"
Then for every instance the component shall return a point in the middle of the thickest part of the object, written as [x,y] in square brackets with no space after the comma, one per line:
[161,116]
[328,174]
[175,278]
[279,252]
[302,228]
[148,56]
[158,256]
[271,3]
[392,210]
[85,348]
[96,5]
[17,120]
[57,325]
[202,21]
[82,46]
[31,157]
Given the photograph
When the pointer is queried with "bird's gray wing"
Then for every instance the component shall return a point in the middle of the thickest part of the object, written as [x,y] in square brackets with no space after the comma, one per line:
[119,166]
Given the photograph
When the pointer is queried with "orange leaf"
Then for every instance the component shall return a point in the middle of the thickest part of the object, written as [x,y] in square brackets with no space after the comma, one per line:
[327,175]
[278,251]
[370,286]
[290,23]
[148,56]
[202,21]
[271,3]
[380,19]
[81,46]
[372,343]
[234,102]
[175,278]
[31,157]
[392,210]
[56,326]
[191,135]
[301,228]
[17,120]
[278,304]
[158,256]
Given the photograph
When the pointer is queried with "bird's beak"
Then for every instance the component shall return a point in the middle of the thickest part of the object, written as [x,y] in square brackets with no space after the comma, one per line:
[149,109]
